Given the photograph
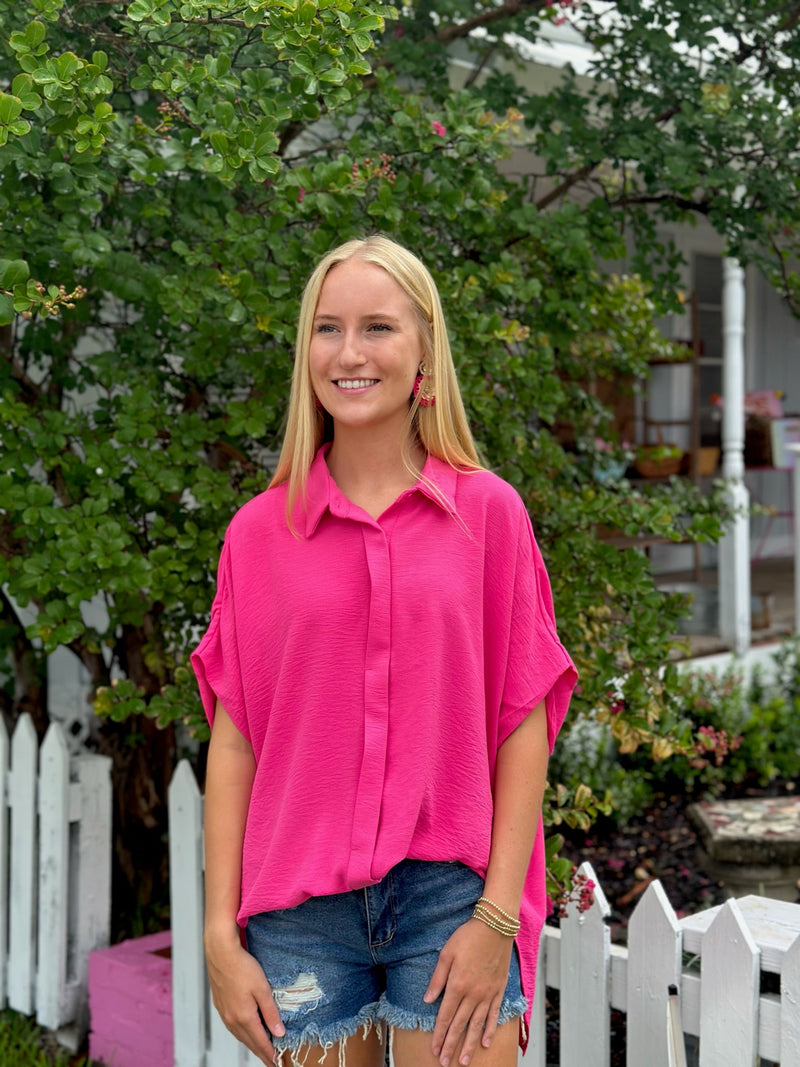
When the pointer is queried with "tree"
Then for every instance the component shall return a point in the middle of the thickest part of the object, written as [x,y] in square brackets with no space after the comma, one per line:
[170,171]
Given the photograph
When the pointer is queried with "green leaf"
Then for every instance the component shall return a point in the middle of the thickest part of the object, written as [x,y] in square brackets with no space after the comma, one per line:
[21,84]
[35,33]
[334,75]
[10,108]
[6,309]
[13,272]
[369,24]
[141,9]
[362,41]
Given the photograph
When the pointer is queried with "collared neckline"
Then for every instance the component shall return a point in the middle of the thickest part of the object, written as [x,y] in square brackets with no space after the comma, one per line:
[437,482]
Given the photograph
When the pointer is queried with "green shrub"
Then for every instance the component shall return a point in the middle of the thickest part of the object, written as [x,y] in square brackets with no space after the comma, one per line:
[726,733]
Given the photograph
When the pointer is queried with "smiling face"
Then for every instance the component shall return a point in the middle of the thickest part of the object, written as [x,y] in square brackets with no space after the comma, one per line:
[365,347]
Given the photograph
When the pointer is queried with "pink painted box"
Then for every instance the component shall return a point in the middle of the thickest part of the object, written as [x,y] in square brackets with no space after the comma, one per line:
[130,1003]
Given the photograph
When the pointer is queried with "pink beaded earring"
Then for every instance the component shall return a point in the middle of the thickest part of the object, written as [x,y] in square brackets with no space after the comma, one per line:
[421,391]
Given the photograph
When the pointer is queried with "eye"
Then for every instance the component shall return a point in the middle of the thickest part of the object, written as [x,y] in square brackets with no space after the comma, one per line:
[380,327]
[324,327]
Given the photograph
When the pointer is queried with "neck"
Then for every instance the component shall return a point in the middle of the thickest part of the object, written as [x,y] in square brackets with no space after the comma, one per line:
[364,465]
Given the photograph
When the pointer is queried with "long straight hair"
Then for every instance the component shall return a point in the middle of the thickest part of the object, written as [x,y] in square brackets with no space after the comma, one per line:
[442,428]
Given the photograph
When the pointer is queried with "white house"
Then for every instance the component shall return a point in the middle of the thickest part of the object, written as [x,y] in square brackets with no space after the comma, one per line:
[746,342]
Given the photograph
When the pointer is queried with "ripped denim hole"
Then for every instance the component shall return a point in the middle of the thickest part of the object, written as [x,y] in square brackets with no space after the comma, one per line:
[304,993]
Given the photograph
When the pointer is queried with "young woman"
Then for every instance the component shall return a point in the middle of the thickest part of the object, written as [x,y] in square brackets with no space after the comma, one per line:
[385,684]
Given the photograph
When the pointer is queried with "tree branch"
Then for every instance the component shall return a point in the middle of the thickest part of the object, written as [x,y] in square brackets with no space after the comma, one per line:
[29,670]
[486,18]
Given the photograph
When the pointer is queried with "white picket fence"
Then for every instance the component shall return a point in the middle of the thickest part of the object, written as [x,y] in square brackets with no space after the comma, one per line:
[55,873]
[719,987]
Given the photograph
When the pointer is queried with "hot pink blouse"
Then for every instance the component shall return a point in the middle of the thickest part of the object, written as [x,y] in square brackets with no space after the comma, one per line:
[376,666]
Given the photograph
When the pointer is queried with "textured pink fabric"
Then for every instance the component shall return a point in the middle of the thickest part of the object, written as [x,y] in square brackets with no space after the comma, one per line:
[376,666]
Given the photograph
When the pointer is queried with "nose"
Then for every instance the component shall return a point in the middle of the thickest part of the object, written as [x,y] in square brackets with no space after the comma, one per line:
[350,354]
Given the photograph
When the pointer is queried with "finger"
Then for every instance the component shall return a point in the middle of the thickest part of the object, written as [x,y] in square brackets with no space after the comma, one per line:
[444,1020]
[438,980]
[472,1037]
[270,1014]
[252,1033]
[455,1033]
[490,1029]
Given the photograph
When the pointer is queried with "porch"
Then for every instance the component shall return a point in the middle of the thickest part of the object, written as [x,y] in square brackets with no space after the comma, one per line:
[772,589]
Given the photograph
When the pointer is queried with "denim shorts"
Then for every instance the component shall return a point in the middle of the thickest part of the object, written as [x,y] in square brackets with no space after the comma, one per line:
[364,958]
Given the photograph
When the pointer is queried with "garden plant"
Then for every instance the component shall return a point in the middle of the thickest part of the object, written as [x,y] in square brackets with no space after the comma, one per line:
[169,171]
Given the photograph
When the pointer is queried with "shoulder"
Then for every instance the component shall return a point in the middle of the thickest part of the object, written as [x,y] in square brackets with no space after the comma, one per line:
[482,493]
[265,513]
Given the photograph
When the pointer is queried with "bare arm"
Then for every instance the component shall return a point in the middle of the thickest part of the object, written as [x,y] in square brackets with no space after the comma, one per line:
[238,984]
[473,965]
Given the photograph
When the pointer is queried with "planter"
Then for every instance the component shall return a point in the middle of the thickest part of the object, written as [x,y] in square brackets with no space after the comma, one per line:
[707,460]
[661,467]
[130,1003]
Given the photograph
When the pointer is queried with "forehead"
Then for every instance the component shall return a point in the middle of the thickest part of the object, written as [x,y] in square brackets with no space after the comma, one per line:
[357,283]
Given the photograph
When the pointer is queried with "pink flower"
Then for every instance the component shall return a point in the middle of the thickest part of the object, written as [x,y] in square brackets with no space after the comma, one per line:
[438,129]
[301,195]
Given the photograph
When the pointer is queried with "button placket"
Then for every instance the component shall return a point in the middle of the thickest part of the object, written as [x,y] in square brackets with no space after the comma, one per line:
[376,704]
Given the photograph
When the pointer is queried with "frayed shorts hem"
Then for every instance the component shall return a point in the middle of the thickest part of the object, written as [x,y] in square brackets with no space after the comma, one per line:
[402,1019]
[378,1015]
[326,1037]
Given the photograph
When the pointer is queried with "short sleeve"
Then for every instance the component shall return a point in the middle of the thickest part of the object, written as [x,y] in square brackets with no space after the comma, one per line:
[216,661]
[538,667]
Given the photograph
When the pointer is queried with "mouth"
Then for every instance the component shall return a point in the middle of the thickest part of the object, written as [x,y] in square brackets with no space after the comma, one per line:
[355,383]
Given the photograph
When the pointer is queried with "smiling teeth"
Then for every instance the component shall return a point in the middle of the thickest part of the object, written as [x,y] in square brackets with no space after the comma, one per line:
[356,383]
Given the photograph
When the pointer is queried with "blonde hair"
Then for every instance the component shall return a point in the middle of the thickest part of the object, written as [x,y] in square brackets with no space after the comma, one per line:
[442,429]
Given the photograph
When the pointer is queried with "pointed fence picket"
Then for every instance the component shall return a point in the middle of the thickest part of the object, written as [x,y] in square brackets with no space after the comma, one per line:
[654,964]
[721,1005]
[55,845]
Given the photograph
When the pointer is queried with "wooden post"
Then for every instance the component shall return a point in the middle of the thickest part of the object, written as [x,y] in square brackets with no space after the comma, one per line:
[734,549]
[795,450]
[536,1054]
[730,992]
[51,970]
[654,964]
[90,875]
[4,799]
[790,1007]
[189,984]
[22,910]
[585,961]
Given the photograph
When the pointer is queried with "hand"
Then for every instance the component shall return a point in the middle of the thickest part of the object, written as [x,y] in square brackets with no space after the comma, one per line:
[240,991]
[473,972]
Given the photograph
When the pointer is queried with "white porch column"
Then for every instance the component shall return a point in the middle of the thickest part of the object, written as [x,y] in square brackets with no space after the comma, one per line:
[734,549]
[796,521]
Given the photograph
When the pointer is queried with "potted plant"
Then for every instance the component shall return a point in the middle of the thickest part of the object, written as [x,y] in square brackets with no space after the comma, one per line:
[658,460]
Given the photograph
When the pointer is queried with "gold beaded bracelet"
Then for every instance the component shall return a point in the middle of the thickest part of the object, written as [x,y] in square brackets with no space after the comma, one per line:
[508,927]
[498,909]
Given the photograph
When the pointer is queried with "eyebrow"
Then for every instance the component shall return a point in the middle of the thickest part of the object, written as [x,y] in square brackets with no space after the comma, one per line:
[370,315]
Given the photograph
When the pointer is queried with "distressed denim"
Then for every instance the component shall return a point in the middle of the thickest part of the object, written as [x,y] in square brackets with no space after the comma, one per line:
[340,963]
